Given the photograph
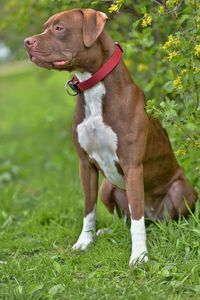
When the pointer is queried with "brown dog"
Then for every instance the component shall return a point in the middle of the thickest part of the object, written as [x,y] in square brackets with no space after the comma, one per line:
[112,132]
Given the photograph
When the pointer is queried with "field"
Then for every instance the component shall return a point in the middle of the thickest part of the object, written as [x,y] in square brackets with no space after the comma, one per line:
[41,210]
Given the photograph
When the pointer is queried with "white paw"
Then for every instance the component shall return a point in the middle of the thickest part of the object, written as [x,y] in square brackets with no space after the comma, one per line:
[84,240]
[138,257]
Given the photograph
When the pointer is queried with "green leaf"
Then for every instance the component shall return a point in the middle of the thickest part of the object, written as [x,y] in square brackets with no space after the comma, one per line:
[20,289]
[55,289]
[35,288]
[162,104]
[182,19]
[168,86]
[57,266]
[135,24]
[165,273]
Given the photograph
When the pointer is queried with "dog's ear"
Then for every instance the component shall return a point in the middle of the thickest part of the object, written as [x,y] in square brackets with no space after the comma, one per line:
[93,24]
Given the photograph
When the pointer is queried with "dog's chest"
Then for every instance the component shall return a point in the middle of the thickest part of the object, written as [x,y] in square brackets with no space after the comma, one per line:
[96,138]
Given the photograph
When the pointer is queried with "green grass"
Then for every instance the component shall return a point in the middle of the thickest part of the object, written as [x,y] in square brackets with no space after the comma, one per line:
[41,210]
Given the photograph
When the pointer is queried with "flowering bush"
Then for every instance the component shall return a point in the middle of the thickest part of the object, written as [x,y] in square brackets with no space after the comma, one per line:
[164,45]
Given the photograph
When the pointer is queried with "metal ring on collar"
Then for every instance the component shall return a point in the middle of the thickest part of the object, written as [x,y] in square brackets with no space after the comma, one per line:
[67,85]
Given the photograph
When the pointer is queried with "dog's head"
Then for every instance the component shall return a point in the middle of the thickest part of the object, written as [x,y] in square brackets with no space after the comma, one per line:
[68,40]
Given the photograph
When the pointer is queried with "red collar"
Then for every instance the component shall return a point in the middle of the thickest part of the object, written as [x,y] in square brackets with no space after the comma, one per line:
[79,87]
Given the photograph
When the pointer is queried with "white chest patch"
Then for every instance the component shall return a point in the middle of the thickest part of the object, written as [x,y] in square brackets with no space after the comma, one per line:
[97,139]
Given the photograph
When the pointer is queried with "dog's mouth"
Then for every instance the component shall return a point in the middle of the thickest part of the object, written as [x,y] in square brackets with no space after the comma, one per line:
[41,62]
[60,63]
[47,61]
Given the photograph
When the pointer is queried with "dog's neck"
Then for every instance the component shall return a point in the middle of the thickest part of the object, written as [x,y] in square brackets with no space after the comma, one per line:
[93,96]
[118,78]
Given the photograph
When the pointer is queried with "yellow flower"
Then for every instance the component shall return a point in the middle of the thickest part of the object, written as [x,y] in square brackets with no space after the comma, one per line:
[172,54]
[171,42]
[165,47]
[196,70]
[197,48]
[147,20]
[183,71]
[116,7]
[128,62]
[181,151]
[177,152]
[177,41]
[172,3]
[142,67]
[161,10]
[178,83]
[196,168]
[113,7]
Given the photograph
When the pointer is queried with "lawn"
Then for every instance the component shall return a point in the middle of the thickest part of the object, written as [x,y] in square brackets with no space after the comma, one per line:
[41,210]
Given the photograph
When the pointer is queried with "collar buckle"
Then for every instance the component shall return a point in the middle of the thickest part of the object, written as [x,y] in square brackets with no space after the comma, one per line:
[73,85]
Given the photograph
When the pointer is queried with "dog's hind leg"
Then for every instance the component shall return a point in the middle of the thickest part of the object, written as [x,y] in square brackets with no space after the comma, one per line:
[113,197]
[174,201]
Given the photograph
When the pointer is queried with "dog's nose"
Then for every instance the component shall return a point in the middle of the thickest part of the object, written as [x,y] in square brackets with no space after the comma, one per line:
[29,42]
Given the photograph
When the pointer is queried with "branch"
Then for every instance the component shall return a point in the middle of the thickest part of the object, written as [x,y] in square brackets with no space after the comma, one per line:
[186,133]
[171,12]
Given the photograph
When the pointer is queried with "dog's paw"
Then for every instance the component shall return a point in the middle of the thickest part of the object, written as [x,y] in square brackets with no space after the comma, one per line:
[84,240]
[138,257]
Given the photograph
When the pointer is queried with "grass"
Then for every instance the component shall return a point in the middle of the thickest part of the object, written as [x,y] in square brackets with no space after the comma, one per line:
[41,210]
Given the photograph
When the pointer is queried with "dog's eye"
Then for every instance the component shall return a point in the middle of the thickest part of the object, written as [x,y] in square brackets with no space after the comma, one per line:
[59,28]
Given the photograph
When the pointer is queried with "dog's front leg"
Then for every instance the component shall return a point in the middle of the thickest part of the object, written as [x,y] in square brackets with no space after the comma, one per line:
[135,194]
[89,180]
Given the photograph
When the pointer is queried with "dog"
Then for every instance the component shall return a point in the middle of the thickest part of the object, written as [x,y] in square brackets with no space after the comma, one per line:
[111,130]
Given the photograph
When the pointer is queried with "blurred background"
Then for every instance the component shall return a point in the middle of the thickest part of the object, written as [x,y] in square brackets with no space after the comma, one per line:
[162,50]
